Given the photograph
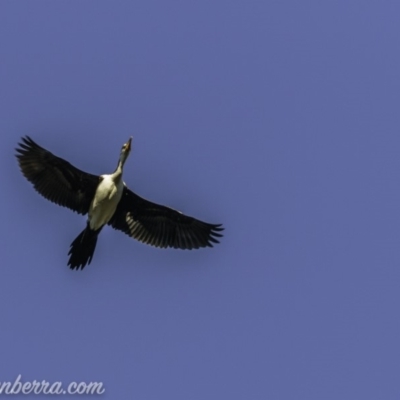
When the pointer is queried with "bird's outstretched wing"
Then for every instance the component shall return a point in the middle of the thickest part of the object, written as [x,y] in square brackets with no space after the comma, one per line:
[161,226]
[56,179]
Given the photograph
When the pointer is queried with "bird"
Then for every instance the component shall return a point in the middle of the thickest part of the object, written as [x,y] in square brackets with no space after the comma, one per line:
[107,200]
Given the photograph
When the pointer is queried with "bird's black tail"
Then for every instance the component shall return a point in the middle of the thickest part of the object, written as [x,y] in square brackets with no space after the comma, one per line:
[82,248]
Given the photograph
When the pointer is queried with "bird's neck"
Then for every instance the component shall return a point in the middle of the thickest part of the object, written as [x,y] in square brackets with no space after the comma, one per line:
[117,175]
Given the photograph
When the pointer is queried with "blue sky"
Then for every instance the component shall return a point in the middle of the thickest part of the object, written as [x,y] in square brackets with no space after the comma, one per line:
[279,120]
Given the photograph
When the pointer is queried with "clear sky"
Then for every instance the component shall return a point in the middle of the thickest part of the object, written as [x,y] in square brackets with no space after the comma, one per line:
[279,119]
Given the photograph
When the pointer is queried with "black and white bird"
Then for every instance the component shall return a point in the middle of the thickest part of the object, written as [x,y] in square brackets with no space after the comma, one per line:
[107,200]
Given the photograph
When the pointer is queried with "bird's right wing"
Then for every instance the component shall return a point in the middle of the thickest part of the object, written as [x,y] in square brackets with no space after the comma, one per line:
[56,179]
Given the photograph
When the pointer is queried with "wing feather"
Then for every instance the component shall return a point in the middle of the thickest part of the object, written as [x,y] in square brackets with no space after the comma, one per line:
[162,226]
[54,178]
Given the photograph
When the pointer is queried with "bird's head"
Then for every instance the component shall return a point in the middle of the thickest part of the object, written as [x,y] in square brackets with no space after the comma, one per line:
[126,149]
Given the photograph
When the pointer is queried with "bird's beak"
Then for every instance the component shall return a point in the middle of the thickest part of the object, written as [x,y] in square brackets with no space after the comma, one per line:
[128,147]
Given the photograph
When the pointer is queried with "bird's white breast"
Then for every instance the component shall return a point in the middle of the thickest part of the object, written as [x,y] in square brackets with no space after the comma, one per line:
[108,194]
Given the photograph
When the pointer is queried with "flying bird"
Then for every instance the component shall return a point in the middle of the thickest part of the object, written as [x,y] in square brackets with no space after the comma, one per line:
[108,201]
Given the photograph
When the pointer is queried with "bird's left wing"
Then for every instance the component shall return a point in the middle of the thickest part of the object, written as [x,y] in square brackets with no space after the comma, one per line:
[161,226]
[56,179]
